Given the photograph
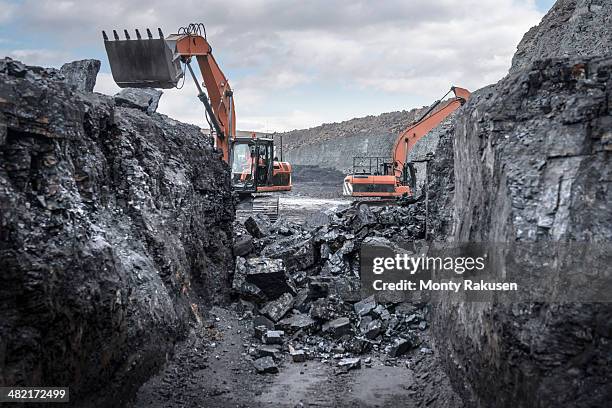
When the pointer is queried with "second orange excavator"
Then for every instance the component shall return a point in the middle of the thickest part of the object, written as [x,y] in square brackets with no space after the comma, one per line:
[156,63]
[384,178]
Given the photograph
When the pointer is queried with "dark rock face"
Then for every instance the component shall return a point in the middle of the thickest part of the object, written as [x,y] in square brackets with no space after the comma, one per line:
[111,230]
[81,74]
[532,160]
[145,99]
[335,144]
[573,29]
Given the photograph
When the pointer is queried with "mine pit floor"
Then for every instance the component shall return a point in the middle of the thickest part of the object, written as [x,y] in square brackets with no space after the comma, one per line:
[211,369]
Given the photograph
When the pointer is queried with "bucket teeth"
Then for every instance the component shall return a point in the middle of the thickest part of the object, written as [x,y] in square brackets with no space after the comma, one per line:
[142,62]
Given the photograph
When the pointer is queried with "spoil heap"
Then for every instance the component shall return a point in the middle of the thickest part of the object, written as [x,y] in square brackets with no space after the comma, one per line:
[303,290]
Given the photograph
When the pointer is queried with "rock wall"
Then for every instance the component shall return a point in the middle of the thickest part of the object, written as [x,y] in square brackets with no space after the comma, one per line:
[531,158]
[571,29]
[114,225]
[335,144]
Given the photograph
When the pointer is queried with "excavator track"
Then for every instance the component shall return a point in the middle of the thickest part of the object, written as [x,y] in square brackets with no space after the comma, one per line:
[260,204]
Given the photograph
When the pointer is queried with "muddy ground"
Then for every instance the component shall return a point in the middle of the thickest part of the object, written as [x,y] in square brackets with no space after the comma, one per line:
[211,369]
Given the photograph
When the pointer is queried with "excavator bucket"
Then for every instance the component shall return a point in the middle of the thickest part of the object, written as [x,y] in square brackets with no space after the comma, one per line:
[143,63]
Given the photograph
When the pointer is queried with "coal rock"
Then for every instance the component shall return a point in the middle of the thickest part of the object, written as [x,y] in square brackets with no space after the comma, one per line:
[382,312]
[243,246]
[273,337]
[400,347]
[296,322]
[365,306]
[265,365]
[297,252]
[298,356]
[318,288]
[357,345]
[258,225]
[144,99]
[81,75]
[350,363]
[263,321]
[373,329]
[276,309]
[241,286]
[268,351]
[269,276]
[338,327]
[259,331]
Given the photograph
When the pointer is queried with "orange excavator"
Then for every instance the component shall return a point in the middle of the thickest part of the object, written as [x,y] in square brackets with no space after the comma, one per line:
[395,178]
[159,63]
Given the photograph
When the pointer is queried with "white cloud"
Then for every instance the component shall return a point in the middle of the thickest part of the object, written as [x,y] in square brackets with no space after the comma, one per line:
[410,50]
[42,57]
[7,10]
[106,84]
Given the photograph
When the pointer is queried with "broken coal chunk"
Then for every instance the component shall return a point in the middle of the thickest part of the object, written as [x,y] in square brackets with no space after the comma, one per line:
[400,347]
[273,337]
[338,327]
[241,286]
[296,322]
[263,321]
[317,288]
[300,303]
[243,246]
[259,331]
[268,351]
[297,252]
[365,306]
[298,356]
[258,225]
[265,365]
[276,309]
[269,275]
[382,312]
[350,363]
[373,329]
[347,287]
[81,75]
[145,99]
[357,345]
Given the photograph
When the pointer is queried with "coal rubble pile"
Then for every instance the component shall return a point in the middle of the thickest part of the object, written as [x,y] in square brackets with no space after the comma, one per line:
[302,289]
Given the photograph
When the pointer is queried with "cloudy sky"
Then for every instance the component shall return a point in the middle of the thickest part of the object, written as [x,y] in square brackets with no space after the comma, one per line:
[294,64]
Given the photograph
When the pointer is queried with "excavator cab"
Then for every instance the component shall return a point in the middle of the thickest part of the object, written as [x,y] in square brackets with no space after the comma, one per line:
[254,168]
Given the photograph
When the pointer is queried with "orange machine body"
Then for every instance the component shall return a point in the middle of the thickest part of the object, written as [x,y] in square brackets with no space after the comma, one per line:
[393,184]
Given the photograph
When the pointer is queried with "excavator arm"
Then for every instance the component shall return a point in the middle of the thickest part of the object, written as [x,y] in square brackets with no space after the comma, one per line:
[428,121]
[155,62]
[391,179]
